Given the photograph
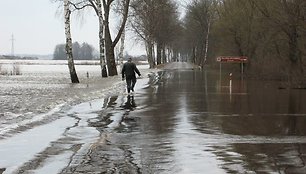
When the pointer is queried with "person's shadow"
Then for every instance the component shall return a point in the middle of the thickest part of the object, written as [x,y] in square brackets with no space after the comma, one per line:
[130,103]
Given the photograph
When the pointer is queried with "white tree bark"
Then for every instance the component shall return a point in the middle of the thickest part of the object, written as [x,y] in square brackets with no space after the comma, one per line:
[122,48]
[67,12]
[101,38]
[207,42]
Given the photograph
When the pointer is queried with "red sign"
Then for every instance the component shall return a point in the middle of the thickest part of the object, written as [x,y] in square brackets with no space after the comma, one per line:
[242,59]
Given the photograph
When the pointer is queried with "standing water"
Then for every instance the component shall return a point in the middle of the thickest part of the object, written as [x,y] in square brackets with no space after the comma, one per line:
[184,121]
[196,122]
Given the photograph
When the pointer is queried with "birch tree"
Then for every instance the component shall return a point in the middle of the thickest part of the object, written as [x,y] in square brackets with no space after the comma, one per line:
[122,48]
[97,7]
[67,13]
[199,19]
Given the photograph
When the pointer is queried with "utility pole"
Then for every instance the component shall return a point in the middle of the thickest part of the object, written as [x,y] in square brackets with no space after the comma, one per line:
[12,49]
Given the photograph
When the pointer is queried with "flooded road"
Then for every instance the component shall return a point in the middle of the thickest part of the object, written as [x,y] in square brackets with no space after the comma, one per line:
[191,122]
[182,121]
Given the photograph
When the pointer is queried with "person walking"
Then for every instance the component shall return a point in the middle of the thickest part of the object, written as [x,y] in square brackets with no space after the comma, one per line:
[128,71]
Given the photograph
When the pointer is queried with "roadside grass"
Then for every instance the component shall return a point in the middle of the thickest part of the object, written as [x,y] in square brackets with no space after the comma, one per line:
[15,70]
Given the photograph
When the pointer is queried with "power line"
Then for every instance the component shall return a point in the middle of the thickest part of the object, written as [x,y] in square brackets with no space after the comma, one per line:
[12,48]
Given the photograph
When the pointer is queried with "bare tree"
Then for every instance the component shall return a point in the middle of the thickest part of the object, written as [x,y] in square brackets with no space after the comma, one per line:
[198,22]
[67,13]
[165,32]
[109,42]
[239,24]
[155,21]
[104,29]
[143,24]
[97,7]
[288,19]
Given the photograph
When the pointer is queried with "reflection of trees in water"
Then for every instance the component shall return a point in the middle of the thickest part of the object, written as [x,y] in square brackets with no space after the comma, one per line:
[263,111]
[156,124]
[163,106]
[262,158]
[272,112]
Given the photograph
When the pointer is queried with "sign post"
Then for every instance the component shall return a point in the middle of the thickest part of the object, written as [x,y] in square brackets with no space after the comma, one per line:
[233,59]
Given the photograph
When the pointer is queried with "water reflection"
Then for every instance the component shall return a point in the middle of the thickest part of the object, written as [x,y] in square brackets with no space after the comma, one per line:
[130,103]
[262,158]
[242,123]
[104,115]
[190,122]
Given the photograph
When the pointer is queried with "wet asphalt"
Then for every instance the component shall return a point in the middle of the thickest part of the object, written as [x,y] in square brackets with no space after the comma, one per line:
[183,121]
[192,121]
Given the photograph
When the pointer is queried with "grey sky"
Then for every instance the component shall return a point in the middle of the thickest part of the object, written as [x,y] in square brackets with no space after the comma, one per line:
[37,28]
[34,25]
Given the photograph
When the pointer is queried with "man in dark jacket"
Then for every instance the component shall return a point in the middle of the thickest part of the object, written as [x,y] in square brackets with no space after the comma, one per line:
[128,71]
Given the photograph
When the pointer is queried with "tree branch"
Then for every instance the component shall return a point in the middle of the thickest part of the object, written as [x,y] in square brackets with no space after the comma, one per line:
[77,7]
[125,15]
[94,6]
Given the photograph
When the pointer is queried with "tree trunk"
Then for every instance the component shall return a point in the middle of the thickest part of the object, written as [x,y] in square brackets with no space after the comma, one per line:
[293,46]
[110,54]
[206,44]
[159,53]
[164,56]
[170,55]
[149,49]
[101,40]
[73,74]
[122,48]
[194,56]
[153,53]
[199,53]
[149,55]
[109,44]
[296,69]
[109,49]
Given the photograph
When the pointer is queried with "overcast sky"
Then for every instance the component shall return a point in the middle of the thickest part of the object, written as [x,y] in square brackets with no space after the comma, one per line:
[37,28]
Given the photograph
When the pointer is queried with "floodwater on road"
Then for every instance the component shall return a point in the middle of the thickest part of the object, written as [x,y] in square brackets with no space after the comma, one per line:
[194,122]
[183,121]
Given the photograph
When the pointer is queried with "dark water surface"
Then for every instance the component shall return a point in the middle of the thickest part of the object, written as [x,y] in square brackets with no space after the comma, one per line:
[195,122]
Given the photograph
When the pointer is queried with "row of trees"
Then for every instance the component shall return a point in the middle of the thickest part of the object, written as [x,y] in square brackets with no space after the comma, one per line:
[157,24]
[80,52]
[271,33]
[107,44]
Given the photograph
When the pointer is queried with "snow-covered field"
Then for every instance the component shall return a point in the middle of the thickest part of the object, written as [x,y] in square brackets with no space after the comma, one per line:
[44,87]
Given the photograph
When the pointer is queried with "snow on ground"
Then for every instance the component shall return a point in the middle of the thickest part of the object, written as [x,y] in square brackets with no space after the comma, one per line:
[45,87]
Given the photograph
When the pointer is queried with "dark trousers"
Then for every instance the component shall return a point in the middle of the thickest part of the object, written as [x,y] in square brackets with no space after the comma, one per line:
[130,83]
